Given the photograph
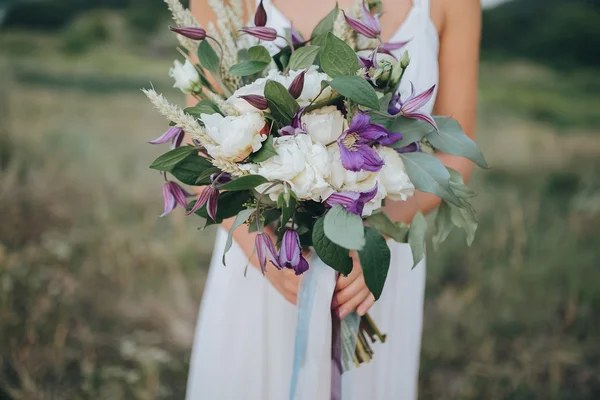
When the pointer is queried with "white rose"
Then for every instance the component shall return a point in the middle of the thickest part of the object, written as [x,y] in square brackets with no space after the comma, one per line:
[304,165]
[236,137]
[393,176]
[186,77]
[324,125]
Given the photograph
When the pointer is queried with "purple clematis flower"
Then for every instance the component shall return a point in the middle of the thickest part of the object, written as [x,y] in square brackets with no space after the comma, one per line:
[261,32]
[290,253]
[265,251]
[368,25]
[410,108]
[295,127]
[210,197]
[256,101]
[173,135]
[193,33]
[353,202]
[355,144]
[173,194]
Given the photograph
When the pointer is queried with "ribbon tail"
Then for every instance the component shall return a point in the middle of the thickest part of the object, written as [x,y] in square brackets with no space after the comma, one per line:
[336,352]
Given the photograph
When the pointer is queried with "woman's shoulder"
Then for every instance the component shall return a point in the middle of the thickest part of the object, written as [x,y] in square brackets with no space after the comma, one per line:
[445,13]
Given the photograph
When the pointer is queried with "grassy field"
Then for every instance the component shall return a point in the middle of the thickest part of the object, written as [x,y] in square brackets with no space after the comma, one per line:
[98,296]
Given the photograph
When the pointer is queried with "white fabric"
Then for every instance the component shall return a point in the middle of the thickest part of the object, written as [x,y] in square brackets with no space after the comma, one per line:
[244,342]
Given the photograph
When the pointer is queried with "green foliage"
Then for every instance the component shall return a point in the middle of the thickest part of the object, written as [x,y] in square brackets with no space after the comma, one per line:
[332,254]
[303,57]
[267,150]
[344,228]
[338,59]
[166,162]
[356,89]
[239,220]
[245,183]
[283,106]
[428,174]
[208,58]
[246,68]
[375,261]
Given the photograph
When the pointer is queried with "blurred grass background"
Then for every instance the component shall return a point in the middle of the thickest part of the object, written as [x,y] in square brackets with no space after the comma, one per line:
[98,296]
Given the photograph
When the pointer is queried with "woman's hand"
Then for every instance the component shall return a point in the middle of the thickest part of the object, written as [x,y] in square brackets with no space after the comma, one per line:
[351,292]
[285,281]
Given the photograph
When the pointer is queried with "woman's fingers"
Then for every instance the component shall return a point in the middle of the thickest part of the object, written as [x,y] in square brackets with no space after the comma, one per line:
[351,304]
[345,294]
[366,305]
[344,281]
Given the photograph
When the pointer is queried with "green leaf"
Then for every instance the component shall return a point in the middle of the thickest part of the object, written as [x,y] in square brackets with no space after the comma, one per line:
[413,130]
[194,170]
[266,151]
[375,261]
[246,68]
[443,224]
[384,102]
[259,53]
[344,229]
[239,220]
[465,218]
[416,237]
[428,174]
[326,24]
[333,255]
[229,205]
[268,216]
[201,109]
[452,140]
[282,104]
[208,58]
[287,207]
[244,183]
[303,57]
[384,225]
[208,103]
[338,59]
[356,89]
[458,186]
[167,161]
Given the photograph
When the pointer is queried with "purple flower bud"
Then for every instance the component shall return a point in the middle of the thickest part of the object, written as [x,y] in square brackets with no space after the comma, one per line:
[369,25]
[290,253]
[260,17]
[261,32]
[256,101]
[210,197]
[174,135]
[173,194]
[297,85]
[411,148]
[296,37]
[220,178]
[353,202]
[265,251]
[190,33]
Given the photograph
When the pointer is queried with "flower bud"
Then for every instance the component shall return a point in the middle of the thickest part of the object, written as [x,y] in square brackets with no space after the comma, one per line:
[260,17]
[190,33]
[297,85]
[256,101]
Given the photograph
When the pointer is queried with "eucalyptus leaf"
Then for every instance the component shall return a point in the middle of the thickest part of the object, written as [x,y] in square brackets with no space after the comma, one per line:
[412,130]
[384,225]
[246,68]
[333,255]
[282,104]
[266,151]
[344,229]
[239,220]
[167,161]
[458,186]
[428,174]
[338,59]
[452,140]
[303,57]
[208,57]
[259,53]
[443,224]
[356,89]
[416,237]
[244,183]
[326,24]
[375,261]
[194,170]
[465,218]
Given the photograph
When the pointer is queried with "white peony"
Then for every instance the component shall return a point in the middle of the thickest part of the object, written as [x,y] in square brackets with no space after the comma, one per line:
[186,77]
[236,137]
[312,86]
[304,165]
[324,125]
[393,176]
[343,180]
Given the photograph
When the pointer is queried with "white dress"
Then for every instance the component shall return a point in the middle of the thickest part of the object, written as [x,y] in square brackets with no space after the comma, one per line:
[244,342]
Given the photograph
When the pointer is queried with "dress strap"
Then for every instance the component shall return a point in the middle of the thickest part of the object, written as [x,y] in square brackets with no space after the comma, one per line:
[423,4]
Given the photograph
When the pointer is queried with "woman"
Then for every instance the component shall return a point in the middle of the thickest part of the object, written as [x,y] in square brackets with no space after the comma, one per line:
[244,342]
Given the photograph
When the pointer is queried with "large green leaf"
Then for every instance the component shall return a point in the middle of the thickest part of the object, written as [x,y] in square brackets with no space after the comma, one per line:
[246,68]
[266,151]
[239,220]
[208,57]
[356,89]
[465,218]
[338,59]
[333,255]
[167,161]
[344,229]
[443,224]
[416,237]
[245,183]
[452,140]
[229,205]
[412,130]
[303,57]
[259,53]
[375,261]
[384,225]
[194,170]
[326,24]
[428,174]
[458,186]
[282,104]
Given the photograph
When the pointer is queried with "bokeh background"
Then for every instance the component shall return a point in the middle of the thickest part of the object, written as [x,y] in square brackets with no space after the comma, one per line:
[99,297]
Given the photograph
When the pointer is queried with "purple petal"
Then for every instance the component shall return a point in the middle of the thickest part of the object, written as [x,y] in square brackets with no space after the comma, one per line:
[256,101]
[179,194]
[416,102]
[211,204]
[176,142]
[423,117]
[411,148]
[288,131]
[373,132]
[169,199]
[168,136]
[365,197]
[265,249]
[389,47]
[371,160]
[220,178]
[366,62]
[190,33]
[351,160]
[261,32]
[302,266]
[202,199]
[296,37]
[362,28]
[290,251]
[297,85]
[359,122]
[372,21]
[260,17]
[390,139]
[343,198]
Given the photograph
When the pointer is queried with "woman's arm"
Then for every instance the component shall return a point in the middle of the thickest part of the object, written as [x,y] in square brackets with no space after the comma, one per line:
[457,92]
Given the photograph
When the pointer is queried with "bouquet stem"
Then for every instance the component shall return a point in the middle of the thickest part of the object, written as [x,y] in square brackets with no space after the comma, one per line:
[367,329]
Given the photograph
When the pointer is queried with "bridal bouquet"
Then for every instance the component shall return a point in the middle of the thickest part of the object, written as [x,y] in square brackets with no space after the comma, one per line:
[310,137]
